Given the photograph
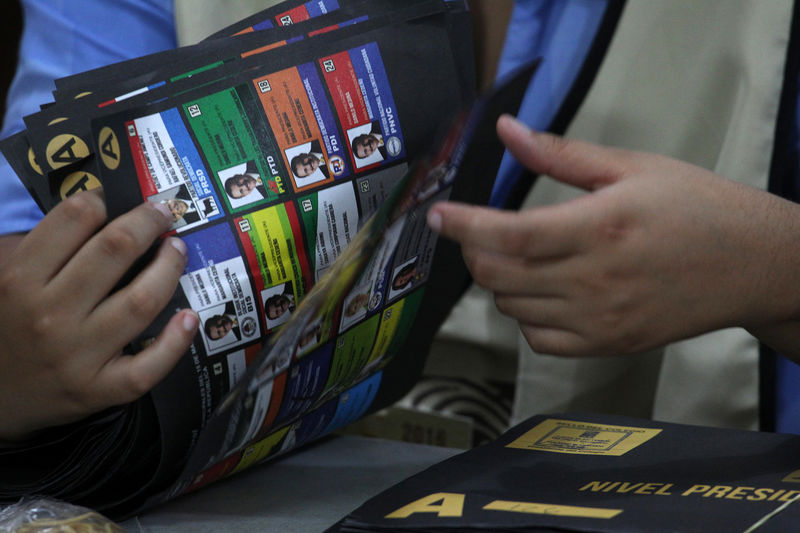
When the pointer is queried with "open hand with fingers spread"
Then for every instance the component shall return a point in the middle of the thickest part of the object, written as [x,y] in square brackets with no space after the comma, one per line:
[658,250]
[64,325]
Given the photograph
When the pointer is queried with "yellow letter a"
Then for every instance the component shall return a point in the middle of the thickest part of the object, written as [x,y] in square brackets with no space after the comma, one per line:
[441,503]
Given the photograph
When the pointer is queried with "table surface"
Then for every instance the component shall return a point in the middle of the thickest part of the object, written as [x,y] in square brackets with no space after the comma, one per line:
[307,491]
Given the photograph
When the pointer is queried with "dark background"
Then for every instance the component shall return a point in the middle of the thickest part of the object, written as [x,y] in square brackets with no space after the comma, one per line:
[10,31]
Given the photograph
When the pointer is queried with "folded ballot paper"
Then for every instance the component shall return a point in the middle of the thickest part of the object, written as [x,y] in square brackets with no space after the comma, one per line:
[596,473]
[298,151]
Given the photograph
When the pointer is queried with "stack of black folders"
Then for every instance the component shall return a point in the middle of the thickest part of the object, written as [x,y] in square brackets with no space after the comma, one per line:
[297,152]
[596,473]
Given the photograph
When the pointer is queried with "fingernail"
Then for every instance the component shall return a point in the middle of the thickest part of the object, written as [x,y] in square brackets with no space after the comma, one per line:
[178,245]
[434,219]
[164,210]
[190,322]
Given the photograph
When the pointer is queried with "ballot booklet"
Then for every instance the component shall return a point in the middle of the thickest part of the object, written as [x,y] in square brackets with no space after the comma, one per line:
[298,152]
[600,474]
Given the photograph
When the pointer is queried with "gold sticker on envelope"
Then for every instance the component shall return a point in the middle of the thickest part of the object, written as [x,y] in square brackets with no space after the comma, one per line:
[585,438]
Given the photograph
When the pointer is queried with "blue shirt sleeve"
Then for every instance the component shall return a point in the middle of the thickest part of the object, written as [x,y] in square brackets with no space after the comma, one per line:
[64,38]
[561,32]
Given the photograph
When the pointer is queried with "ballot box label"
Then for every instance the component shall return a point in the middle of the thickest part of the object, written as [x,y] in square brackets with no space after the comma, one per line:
[585,438]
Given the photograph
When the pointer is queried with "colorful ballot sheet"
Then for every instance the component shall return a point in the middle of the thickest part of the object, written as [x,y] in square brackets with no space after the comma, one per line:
[297,162]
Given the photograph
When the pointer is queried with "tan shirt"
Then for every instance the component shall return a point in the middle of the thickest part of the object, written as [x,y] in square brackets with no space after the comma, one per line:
[698,80]
[197,19]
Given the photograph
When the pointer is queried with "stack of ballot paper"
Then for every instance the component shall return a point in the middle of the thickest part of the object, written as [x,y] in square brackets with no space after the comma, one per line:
[297,151]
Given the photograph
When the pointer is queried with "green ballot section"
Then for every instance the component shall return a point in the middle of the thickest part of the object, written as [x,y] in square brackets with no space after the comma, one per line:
[595,473]
[297,152]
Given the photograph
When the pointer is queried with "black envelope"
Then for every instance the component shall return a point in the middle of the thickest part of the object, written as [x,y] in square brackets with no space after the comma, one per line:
[595,473]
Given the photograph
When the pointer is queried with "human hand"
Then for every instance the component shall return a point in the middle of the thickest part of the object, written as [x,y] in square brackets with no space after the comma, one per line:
[63,329]
[659,250]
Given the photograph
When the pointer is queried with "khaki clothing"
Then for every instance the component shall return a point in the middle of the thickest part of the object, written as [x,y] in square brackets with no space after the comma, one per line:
[699,81]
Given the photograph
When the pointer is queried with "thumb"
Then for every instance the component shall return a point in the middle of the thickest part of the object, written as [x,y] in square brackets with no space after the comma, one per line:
[581,164]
